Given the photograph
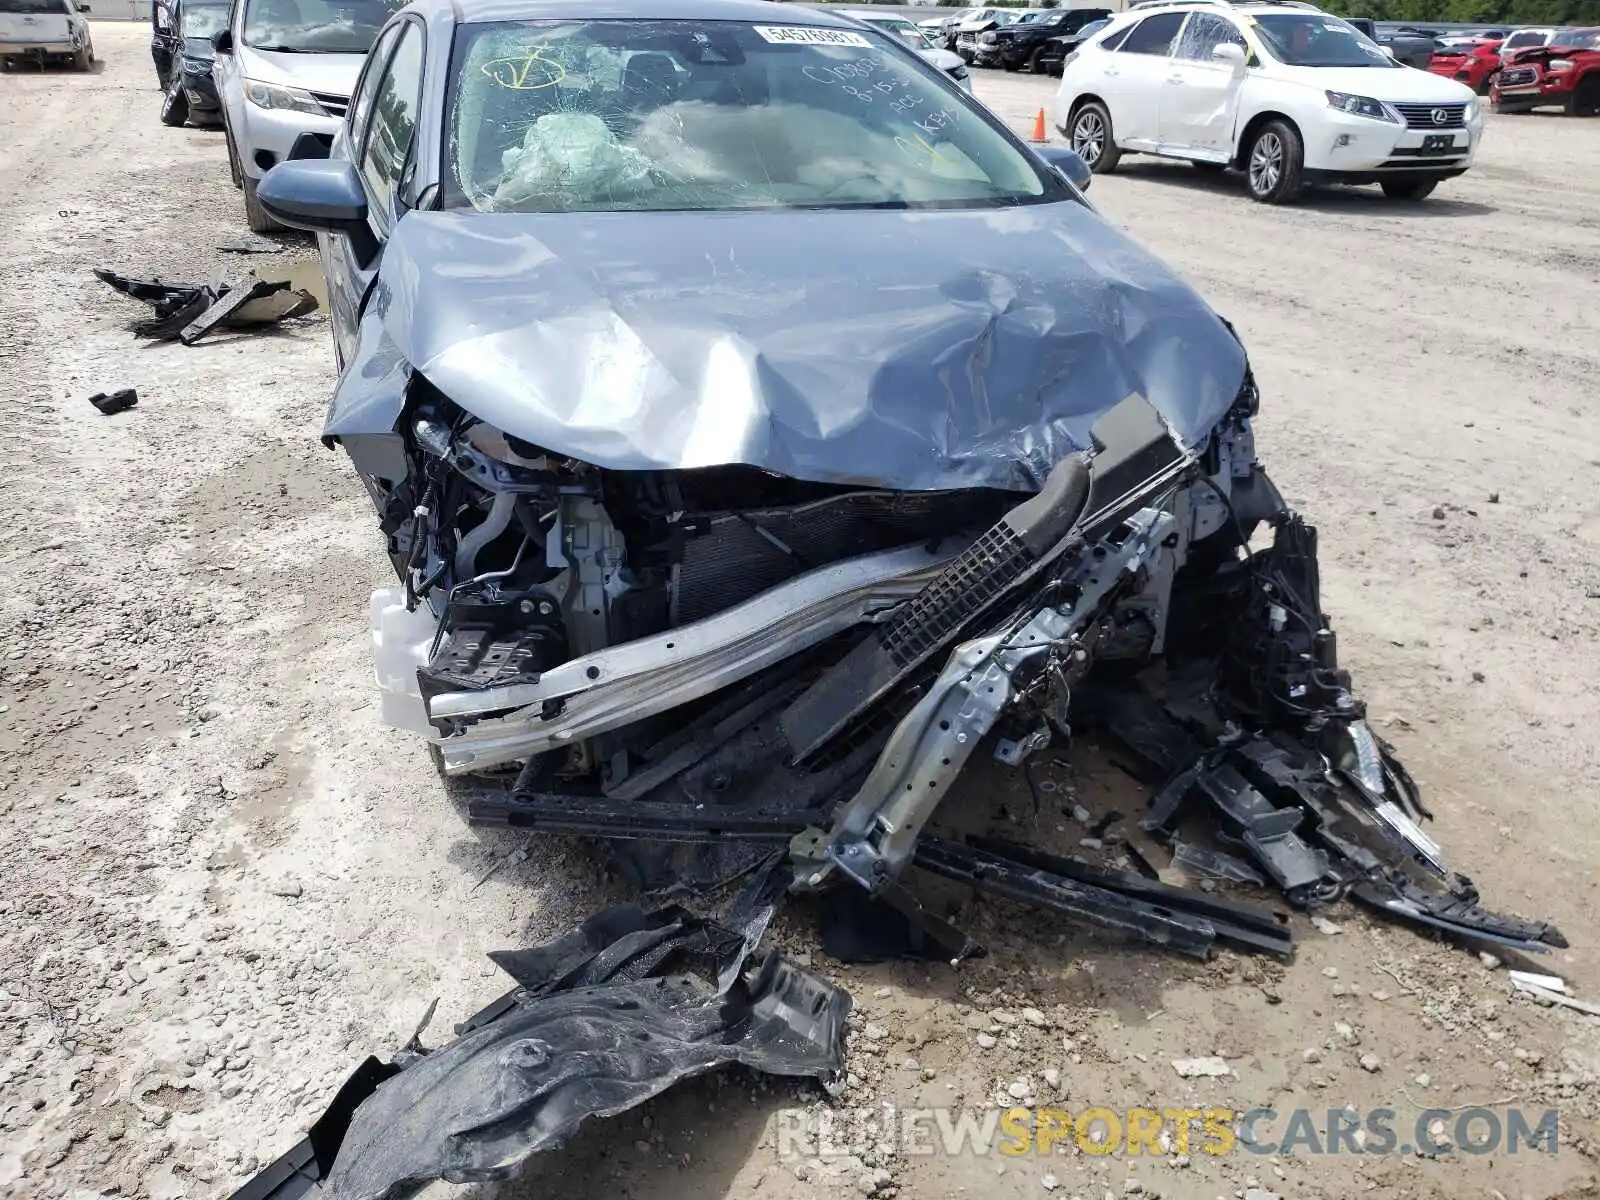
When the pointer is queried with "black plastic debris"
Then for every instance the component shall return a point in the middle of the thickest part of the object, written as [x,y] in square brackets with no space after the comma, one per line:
[114,402]
[188,312]
[603,1018]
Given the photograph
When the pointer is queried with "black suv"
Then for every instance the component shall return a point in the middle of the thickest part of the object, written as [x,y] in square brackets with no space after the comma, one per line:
[1023,44]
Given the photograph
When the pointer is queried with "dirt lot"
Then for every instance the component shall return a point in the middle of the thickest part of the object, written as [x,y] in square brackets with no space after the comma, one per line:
[224,882]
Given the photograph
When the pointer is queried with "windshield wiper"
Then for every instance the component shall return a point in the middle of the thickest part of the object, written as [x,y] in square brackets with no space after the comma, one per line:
[278,49]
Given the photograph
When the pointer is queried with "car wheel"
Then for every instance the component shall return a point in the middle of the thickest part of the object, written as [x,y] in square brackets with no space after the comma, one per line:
[1488,83]
[1412,190]
[1036,61]
[1585,99]
[1090,136]
[175,105]
[1274,163]
[82,58]
[256,216]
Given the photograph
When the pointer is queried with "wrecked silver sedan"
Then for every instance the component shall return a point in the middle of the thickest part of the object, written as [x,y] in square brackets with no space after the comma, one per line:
[761,431]
[726,511]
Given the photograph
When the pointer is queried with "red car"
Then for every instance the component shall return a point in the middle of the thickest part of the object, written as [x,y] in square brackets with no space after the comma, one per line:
[1564,73]
[1472,63]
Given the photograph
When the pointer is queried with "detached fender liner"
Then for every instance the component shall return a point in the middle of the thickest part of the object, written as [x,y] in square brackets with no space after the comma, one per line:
[605,1017]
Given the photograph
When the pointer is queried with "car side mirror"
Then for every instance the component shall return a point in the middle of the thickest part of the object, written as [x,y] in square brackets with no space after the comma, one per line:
[222,41]
[1068,164]
[83,8]
[1231,54]
[322,196]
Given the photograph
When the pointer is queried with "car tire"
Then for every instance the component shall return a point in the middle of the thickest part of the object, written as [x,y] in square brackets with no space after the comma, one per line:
[1410,190]
[1585,98]
[1274,163]
[175,106]
[1089,134]
[83,58]
[255,216]
[1487,85]
[1036,62]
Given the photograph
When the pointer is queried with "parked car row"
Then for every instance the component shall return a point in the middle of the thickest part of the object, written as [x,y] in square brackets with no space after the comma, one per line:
[1282,92]
[1022,44]
[276,75]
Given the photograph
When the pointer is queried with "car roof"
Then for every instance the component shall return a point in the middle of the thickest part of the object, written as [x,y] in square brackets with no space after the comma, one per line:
[1254,7]
[473,12]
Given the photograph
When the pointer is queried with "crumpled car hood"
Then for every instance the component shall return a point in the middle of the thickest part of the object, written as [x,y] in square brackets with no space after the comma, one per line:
[913,351]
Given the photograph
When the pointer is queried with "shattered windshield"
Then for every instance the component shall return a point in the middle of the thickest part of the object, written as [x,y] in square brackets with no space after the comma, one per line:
[1318,40]
[604,116]
[202,20]
[316,26]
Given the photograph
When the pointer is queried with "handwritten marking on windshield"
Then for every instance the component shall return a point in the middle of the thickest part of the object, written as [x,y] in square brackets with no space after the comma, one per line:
[902,98]
[528,73]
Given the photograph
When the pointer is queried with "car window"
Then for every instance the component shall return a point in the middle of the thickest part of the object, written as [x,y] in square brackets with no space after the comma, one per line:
[316,26]
[202,20]
[394,119]
[1115,40]
[1153,35]
[1203,33]
[1314,39]
[658,115]
[361,103]
[30,7]
[1583,39]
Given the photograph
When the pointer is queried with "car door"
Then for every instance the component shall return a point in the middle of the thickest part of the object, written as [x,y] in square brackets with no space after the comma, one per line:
[1137,71]
[1200,99]
[378,139]
[163,41]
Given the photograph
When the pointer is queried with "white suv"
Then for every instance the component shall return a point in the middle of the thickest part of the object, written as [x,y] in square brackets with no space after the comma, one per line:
[1283,92]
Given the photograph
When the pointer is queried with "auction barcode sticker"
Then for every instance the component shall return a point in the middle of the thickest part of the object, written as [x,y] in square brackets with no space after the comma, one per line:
[806,35]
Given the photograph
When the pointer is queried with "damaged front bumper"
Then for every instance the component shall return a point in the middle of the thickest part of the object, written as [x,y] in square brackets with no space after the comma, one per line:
[833,711]
[1125,598]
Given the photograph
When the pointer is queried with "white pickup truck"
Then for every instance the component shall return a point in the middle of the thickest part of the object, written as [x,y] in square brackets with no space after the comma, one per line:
[41,30]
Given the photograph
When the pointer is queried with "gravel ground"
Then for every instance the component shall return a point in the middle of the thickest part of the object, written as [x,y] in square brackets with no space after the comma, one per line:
[224,882]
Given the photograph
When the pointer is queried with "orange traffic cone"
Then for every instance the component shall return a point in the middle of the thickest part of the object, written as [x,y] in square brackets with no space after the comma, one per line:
[1039,134]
